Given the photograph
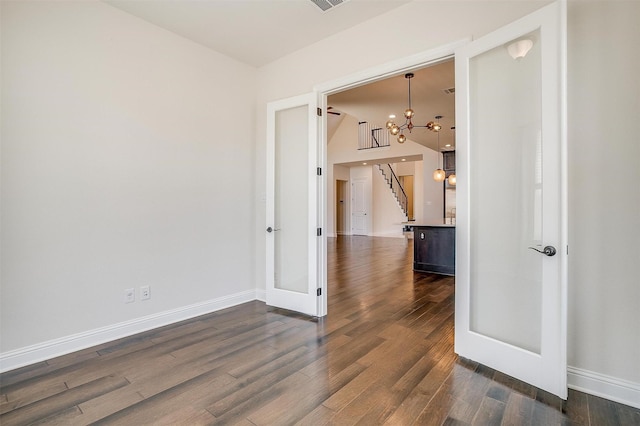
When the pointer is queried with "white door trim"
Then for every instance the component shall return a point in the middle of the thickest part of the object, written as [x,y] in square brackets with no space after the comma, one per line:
[389,69]
[369,75]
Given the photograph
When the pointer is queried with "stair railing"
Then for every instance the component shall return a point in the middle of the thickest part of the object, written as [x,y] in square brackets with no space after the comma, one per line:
[396,186]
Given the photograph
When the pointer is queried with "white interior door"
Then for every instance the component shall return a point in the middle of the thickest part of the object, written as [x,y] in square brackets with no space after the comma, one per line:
[292,220]
[360,209]
[511,201]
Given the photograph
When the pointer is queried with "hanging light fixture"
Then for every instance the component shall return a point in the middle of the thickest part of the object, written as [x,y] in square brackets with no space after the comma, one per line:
[394,129]
[452,177]
[439,174]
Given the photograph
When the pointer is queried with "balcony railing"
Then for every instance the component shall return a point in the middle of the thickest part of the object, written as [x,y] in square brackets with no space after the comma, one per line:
[370,136]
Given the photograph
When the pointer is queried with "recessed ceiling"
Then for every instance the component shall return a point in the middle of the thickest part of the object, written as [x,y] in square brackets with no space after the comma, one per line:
[255,32]
[431,95]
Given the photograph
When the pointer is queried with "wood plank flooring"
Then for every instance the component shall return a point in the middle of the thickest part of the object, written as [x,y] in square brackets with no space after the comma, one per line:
[384,355]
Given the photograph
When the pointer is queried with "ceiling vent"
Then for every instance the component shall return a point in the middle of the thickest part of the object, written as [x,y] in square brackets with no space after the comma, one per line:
[325,5]
[449,91]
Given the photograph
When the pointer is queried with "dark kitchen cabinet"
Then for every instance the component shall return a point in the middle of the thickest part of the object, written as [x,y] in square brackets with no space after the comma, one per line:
[434,249]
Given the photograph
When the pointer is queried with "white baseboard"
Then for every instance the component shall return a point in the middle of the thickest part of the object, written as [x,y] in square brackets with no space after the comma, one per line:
[612,388]
[64,345]
[618,390]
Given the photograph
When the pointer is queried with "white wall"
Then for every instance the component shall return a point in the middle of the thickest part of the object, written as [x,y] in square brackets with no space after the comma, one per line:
[433,207]
[419,191]
[340,172]
[604,204]
[406,168]
[345,133]
[603,130]
[115,172]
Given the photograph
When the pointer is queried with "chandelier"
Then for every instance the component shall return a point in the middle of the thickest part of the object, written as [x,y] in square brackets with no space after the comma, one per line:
[394,129]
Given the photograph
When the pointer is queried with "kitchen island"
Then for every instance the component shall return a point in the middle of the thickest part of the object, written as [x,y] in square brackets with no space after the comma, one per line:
[434,249]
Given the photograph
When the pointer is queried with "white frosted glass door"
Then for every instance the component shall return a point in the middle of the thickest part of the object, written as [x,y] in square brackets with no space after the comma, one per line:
[291,205]
[510,304]
[505,185]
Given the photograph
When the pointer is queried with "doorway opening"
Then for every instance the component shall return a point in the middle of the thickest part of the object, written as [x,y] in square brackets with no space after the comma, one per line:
[395,176]
[342,206]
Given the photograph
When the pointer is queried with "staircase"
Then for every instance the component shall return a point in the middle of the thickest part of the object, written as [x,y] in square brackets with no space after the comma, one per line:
[395,186]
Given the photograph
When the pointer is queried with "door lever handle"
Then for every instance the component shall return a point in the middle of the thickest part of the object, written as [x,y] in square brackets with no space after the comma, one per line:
[270,229]
[548,250]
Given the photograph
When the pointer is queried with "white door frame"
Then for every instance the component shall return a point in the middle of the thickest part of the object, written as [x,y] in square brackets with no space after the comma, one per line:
[370,75]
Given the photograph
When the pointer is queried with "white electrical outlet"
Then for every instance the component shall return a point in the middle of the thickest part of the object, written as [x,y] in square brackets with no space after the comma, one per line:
[129,295]
[145,292]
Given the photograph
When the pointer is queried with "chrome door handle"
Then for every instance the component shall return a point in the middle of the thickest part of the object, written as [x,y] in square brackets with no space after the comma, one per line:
[270,229]
[548,250]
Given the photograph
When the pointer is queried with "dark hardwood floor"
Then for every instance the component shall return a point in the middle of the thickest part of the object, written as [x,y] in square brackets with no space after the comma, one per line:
[384,354]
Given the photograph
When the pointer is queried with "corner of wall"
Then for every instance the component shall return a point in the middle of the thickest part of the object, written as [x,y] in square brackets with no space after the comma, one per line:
[612,388]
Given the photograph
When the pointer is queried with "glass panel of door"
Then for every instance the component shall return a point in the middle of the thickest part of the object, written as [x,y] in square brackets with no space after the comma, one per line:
[291,210]
[505,157]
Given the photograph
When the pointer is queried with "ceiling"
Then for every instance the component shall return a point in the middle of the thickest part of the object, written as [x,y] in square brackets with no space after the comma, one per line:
[255,32]
[374,103]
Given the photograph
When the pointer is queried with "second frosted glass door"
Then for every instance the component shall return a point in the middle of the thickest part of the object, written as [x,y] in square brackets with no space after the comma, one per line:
[291,205]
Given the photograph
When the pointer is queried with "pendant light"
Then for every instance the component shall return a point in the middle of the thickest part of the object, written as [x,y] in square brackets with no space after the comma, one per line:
[452,177]
[439,174]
